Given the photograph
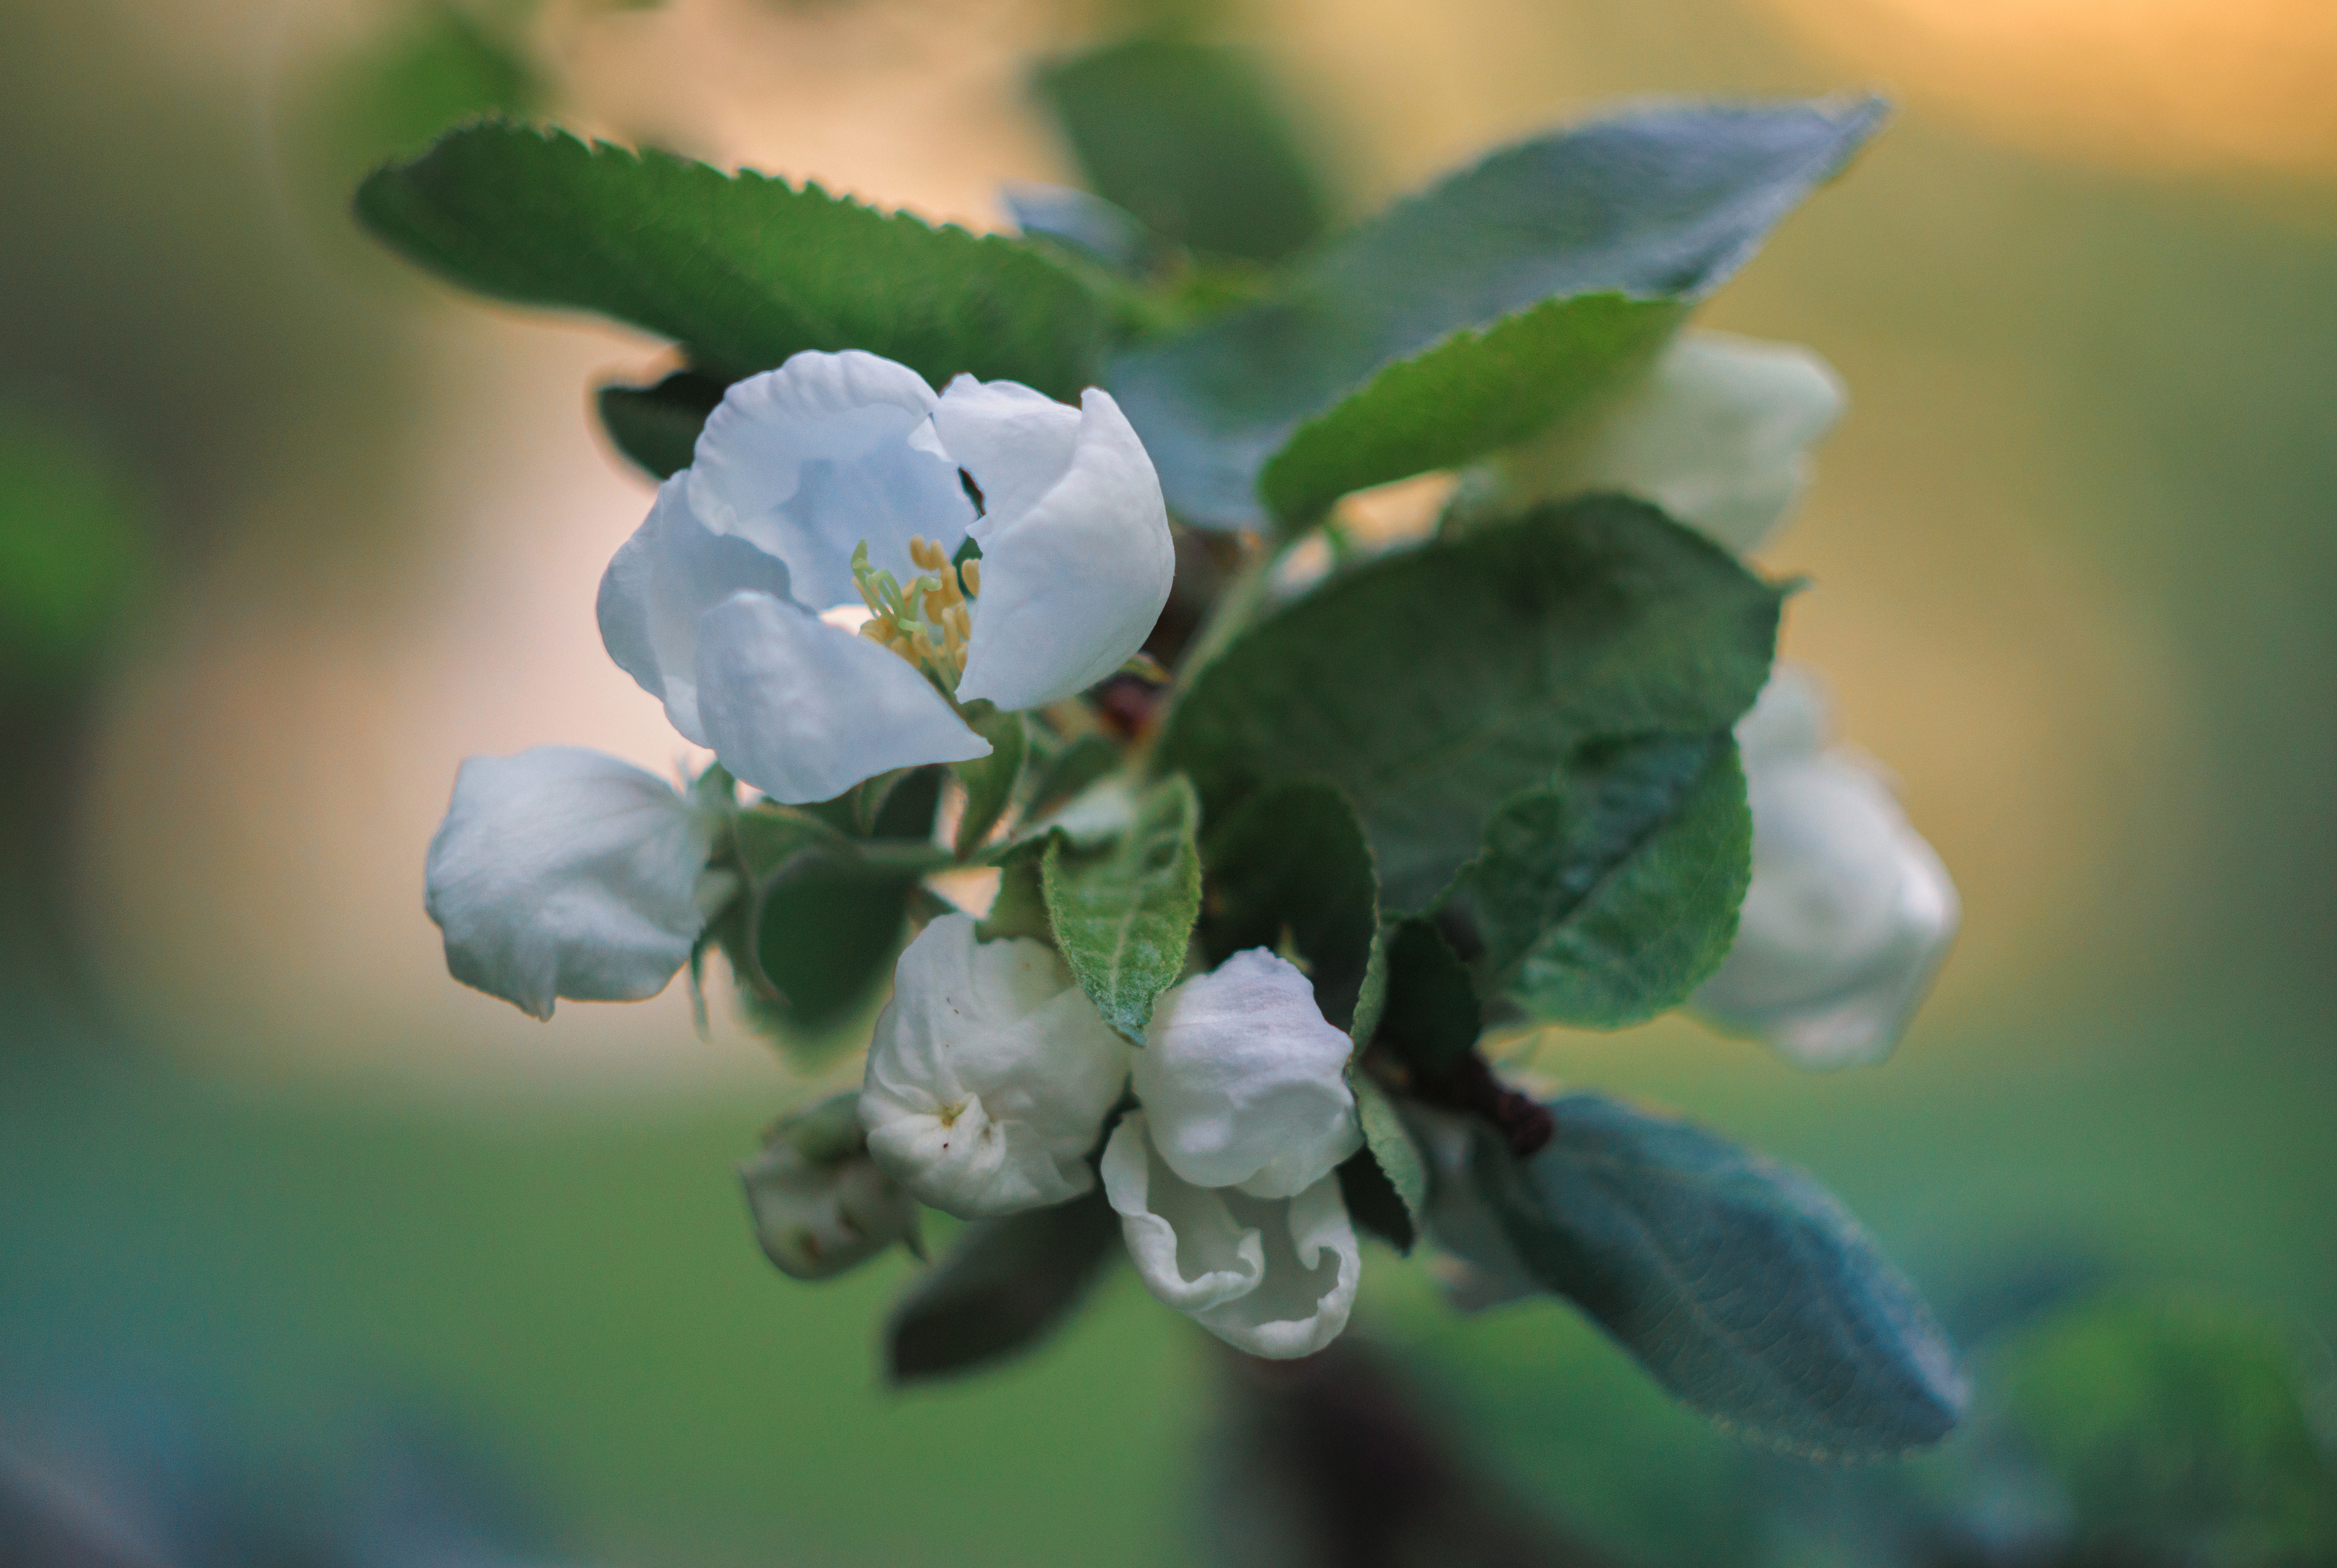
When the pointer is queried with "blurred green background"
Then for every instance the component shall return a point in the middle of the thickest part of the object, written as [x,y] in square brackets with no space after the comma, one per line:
[285,532]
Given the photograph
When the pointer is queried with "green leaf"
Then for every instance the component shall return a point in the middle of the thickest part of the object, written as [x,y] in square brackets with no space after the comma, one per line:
[743,270]
[1740,1283]
[77,557]
[1005,1285]
[1071,770]
[1433,1016]
[1606,900]
[989,781]
[1435,685]
[1385,1182]
[1020,910]
[1292,864]
[1190,138]
[656,426]
[2180,1422]
[1123,915]
[1475,314]
[826,924]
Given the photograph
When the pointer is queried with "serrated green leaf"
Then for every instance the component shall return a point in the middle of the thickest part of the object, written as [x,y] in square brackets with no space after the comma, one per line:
[1385,1182]
[1741,1284]
[743,270]
[1608,898]
[1123,915]
[1433,1016]
[656,426]
[1189,138]
[989,781]
[1472,315]
[1433,686]
[1291,864]
[1003,1286]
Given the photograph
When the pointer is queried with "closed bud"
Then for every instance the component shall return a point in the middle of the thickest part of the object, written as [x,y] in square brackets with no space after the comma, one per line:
[821,1206]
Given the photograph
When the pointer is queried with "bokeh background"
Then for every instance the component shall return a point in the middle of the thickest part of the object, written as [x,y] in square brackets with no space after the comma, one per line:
[286,531]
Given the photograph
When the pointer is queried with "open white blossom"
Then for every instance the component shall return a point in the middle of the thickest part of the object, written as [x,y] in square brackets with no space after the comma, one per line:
[1717,434]
[820,1204]
[1225,1180]
[1850,914]
[1246,1082]
[1274,1277]
[990,1074]
[733,603]
[567,872]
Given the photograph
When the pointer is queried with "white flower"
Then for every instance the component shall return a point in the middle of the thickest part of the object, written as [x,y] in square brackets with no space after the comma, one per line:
[1850,913]
[1717,434]
[990,1074]
[1225,1180]
[1274,1277]
[820,1204]
[1246,1082]
[732,603]
[566,872]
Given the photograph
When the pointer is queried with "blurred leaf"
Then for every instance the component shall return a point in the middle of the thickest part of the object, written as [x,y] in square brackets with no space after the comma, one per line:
[1020,910]
[1433,1017]
[1189,138]
[1607,899]
[825,926]
[1106,234]
[1071,770]
[903,806]
[1291,865]
[656,426]
[743,270]
[1435,685]
[2181,1425]
[989,781]
[1471,316]
[1385,1182]
[1123,915]
[76,555]
[1739,1282]
[1004,1285]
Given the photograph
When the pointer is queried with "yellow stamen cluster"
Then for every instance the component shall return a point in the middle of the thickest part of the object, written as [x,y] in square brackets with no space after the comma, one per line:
[927,622]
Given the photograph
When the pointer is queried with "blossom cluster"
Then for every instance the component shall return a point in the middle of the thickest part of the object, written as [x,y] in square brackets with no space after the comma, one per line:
[852,578]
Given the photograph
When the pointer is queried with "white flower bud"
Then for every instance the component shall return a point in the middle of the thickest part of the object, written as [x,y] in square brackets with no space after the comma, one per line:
[1246,1083]
[990,1074]
[1274,1277]
[820,1204]
[1850,914]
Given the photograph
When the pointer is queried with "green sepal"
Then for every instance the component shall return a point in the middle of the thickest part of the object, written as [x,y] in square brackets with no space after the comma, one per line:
[1385,1182]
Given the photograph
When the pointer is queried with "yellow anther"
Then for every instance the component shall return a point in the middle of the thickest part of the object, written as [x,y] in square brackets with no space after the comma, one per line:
[877,630]
[959,622]
[971,573]
[937,605]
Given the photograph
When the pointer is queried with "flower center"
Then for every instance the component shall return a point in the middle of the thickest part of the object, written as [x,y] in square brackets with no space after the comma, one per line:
[928,620]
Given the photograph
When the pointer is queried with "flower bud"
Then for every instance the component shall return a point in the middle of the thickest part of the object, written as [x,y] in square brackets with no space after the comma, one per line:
[1850,913]
[1246,1083]
[990,1074]
[820,1204]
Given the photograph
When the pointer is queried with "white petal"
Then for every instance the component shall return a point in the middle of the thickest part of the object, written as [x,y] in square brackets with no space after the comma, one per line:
[802,710]
[663,579]
[1717,435]
[1274,1277]
[1849,916]
[565,872]
[1246,1082]
[1072,582]
[990,1074]
[828,450]
[1016,442]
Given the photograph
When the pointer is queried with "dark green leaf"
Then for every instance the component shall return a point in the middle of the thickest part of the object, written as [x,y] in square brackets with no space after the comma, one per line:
[1291,865]
[1005,1285]
[1189,138]
[1123,915]
[902,804]
[1476,312]
[1740,1283]
[1433,1016]
[741,269]
[1435,685]
[656,426]
[827,927]
[1071,770]
[989,781]
[1385,1182]
[1607,899]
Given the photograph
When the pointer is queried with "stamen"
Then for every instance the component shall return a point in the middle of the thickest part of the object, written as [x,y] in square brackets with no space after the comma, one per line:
[970,574]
